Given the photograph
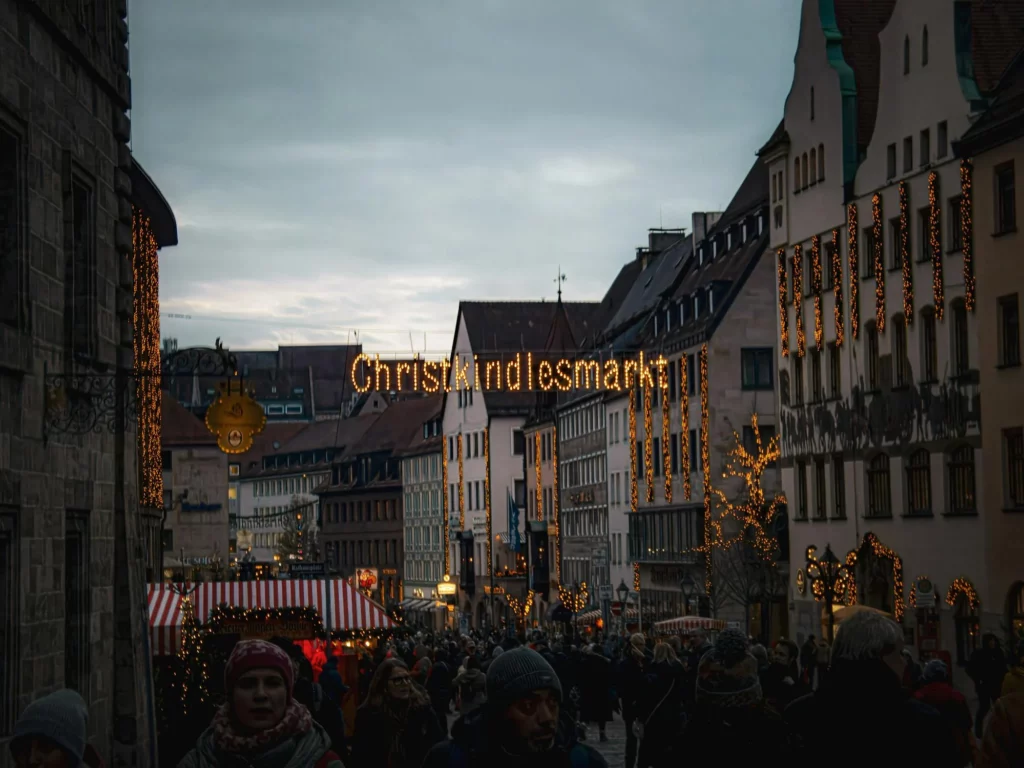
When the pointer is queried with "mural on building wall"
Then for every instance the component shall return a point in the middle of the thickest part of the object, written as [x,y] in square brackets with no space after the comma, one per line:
[941,411]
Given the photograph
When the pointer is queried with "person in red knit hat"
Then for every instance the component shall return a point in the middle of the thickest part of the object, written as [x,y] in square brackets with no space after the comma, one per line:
[261,723]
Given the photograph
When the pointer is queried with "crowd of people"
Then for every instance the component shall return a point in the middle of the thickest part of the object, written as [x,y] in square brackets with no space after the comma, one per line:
[862,701]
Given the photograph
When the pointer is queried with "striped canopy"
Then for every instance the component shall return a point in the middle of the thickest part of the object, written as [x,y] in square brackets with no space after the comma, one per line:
[342,607]
[685,624]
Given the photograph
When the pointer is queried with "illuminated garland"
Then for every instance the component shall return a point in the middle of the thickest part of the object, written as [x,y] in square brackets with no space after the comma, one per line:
[851,258]
[539,495]
[574,599]
[878,254]
[444,508]
[520,608]
[462,492]
[634,499]
[912,597]
[636,576]
[798,299]
[487,497]
[649,442]
[962,586]
[684,424]
[147,362]
[554,502]
[837,287]
[879,550]
[194,672]
[908,271]
[666,432]
[780,255]
[967,230]
[935,244]
[229,614]
[706,465]
[819,331]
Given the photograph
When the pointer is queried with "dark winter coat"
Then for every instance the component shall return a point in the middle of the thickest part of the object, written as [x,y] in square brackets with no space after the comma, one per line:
[595,689]
[630,681]
[371,741]
[735,736]
[987,667]
[660,709]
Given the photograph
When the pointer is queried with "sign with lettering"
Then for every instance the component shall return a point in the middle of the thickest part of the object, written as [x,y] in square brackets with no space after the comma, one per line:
[307,570]
[664,578]
[583,497]
[293,630]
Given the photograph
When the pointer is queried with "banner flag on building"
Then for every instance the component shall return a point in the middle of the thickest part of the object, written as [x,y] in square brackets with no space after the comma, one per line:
[513,523]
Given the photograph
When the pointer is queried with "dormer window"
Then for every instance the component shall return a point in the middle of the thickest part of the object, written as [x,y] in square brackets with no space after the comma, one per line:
[714,248]
[743,235]
[711,299]
[728,241]
[682,312]
[760,223]
[700,257]
[655,325]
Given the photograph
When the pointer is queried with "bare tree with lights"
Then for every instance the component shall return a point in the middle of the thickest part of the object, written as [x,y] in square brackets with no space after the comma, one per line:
[296,530]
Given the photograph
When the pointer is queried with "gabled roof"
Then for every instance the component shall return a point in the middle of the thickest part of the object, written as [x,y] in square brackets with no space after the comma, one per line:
[179,428]
[267,443]
[333,433]
[397,427]
[419,444]
[1003,121]
[509,326]
[612,301]
[779,137]
[663,269]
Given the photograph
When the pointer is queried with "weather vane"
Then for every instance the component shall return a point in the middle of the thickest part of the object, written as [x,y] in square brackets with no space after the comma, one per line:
[560,279]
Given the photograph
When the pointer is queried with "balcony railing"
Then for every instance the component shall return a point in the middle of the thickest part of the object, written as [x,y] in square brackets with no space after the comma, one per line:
[666,535]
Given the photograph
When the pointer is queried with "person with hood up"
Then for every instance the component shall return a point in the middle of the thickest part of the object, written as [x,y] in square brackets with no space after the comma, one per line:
[936,691]
[986,668]
[781,681]
[396,726]
[470,691]
[261,723]
[521,723]
[52,732]
[1013,681]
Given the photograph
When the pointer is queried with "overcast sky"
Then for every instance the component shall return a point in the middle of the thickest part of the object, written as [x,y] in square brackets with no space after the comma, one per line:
[362,165]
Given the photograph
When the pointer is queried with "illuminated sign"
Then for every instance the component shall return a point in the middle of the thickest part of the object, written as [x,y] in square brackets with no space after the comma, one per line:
[235,418]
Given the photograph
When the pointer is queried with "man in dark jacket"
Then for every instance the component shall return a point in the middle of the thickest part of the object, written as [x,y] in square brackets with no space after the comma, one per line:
[521,722]
[986,668]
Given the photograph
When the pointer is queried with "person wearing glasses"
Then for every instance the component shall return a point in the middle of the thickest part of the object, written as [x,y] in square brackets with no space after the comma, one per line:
[396,726]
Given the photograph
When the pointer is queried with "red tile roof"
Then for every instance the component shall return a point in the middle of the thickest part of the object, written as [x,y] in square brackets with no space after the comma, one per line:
[179,428]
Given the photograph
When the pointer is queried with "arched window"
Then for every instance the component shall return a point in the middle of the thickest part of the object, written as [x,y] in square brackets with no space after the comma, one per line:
[879,487]
[814,165]
[873,382]
[900,364]
[924,47]
[821,162]
[803,177]
[906,55]
[968,632]
[958,329]
[960,471]
[812,102]
[929,351]
[919,483]
[796,174]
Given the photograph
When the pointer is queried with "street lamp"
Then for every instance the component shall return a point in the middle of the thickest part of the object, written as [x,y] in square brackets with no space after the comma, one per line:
[689,588]
[829,578]
[622,592]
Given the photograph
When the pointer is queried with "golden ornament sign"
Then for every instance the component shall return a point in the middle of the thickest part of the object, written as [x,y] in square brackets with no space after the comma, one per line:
[801,582]
[235,418]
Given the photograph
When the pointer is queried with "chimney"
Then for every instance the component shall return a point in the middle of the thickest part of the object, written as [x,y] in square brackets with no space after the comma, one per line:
[659,240]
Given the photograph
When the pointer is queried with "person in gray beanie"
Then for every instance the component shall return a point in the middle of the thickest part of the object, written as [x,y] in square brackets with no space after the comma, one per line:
[521,719]
[53,732]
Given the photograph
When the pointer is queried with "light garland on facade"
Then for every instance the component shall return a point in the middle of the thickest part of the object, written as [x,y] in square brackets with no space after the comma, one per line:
[634,497]
[666,433]
[649,442]
[837,287]
[819,330]
[798,299]
[487,498]
[444,507]
[462,490]
[908,267]
[706,465]
[962,586]
[147,361]
[780,256]
[554,502]
[539,495]
[878,254]
[636,576]
[967,229]
[684,429]
[851,259]
[935,244]
[912,597]
[879,550]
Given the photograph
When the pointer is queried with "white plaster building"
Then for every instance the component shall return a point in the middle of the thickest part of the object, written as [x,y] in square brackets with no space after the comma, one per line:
[880,409]
[620,567]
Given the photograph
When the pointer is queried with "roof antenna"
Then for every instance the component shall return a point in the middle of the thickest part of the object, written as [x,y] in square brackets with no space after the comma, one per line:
[560,279]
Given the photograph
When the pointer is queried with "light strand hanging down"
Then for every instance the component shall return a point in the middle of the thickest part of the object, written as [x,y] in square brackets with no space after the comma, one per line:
[684,428]
[648,441]
[487,498]
[636,576]
[905,260]
[147,361]
[462,485]
[666,432]
[852,259]
[705,461]
[798,299]
[445,511]
[837,287]
[780,256]
[819,329]
[539,495]
[634,497]
[878,254]
[935,245]
[967,229]
[882,552]
[554,502]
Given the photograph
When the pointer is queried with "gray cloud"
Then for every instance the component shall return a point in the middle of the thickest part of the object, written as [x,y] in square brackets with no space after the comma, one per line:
[365,165]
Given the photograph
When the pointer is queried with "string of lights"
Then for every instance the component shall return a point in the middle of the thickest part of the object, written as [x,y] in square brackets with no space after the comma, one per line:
[445,512]
[666,432]
[539,496]
[798,299]
[819,330]
[574,598]
[634,497]
[967,229]
[193,672]
[554,502]
[882,552]
[963,586]
[705,461]
[935,244]
[684,429]
[908,271]
[648,442]
[780,256]
[878,254]
[851,258]
[487,498]
[462,493]
[912,597]
[636,576]
[520,608]
[837,287]
[147,362]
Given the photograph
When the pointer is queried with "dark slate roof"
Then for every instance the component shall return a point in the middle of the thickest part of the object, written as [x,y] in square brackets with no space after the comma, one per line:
[663,269]
[613,299]
[333,433]
[997,28]
[269,442]
[779,137]
[397,427]
[179,428]
[420,445]
[1003,121]
[507,326]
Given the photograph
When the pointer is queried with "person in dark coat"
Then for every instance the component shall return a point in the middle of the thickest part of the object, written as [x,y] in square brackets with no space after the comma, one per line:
[781,682]
[659,714]
[396,726]
[987,667]
[937,691]
[595,689]
[629,685]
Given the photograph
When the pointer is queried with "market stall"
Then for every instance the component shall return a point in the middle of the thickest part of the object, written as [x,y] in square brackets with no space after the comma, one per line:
[687,625]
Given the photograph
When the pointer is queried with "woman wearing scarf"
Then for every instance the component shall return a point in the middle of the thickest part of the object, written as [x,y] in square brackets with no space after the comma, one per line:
[396,726]
[261,724]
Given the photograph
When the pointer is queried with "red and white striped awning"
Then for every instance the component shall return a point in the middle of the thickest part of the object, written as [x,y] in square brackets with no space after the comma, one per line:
[164,620]
[350,610]
[591,616]
[267,593]
[684,624]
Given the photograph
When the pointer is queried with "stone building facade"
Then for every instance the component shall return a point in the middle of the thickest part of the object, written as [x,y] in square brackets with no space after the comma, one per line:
[77,214]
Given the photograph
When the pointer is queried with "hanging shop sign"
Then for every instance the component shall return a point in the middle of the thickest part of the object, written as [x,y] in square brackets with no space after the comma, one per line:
[925,593]
[235,418]
[307,570]
[367,578]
